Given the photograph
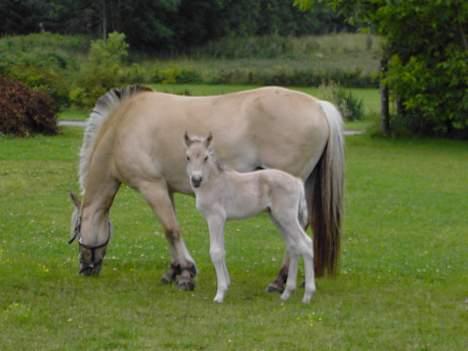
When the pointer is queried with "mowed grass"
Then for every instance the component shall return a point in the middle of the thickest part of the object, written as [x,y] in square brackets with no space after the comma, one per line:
[403,282]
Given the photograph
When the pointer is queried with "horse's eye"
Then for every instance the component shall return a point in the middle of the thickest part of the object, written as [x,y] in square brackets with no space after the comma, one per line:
[188,158]
[205,159]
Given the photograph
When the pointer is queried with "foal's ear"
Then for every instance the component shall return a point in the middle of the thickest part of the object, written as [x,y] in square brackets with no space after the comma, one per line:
[208,140]
[76,201]
[187,139]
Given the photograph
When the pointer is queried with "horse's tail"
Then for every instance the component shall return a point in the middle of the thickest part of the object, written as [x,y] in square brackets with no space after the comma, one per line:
[325,189]
[104,107]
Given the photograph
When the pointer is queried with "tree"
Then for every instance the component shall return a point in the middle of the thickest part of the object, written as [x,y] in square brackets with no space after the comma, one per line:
[427,57]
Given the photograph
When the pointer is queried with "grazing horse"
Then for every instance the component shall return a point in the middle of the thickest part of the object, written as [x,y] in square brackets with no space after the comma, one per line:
[133,137]
[223,194]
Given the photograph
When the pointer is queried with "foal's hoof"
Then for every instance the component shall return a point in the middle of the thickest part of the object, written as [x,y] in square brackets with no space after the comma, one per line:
[275,287]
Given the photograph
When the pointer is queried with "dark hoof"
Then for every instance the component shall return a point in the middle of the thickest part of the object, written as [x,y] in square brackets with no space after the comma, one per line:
[275,288]
[183,277]
[185,283]
[90,271]
[170,275]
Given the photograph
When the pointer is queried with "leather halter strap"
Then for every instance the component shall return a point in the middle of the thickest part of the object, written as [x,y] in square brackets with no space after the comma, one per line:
[92,248]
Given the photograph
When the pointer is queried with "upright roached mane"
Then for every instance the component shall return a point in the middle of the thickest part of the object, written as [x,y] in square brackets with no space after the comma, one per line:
[101,112]
[133,137]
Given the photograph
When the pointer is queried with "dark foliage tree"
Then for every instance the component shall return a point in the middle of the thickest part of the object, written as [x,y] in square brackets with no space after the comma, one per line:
[424,63]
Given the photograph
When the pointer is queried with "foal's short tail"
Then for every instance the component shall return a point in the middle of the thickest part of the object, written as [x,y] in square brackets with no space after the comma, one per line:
[325,189]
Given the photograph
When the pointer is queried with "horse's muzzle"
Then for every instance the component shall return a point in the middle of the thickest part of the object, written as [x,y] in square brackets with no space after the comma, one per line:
[90,270]
[196,181]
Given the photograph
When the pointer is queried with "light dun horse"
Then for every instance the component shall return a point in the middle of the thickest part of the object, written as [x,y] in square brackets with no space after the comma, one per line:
[133,137]
[223,194]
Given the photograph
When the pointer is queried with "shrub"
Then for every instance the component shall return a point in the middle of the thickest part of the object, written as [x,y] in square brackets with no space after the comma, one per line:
[43,61]
[102,71]
[350,106]
[433,95]
[24,111]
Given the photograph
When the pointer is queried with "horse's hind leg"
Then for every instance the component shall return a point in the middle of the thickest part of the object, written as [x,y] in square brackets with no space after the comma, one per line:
[278,284]
[182,269]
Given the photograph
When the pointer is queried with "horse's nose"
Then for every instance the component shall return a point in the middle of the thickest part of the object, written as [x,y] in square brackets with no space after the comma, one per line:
[196,181]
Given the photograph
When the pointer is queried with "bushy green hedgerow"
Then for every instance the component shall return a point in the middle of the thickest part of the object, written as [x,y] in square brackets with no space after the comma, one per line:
[102,71]
[43,61]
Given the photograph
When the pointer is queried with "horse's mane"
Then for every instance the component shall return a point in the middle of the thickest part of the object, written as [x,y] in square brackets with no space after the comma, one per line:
[103,109]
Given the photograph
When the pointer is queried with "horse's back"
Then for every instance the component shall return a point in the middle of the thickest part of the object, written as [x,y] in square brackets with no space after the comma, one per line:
[266,127]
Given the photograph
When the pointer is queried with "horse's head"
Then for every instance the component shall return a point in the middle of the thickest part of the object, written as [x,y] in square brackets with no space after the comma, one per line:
[199,156]
[91,255]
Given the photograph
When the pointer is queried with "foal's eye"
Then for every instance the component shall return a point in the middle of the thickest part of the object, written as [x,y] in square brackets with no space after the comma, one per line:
[188,158]
[205,159]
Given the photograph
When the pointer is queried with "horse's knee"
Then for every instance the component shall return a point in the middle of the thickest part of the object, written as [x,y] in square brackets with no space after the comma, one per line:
[172,234]
[217,254]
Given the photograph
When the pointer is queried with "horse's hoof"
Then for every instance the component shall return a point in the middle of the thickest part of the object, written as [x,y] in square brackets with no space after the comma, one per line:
[165,279]
[306,300]
[218,299]
[285,295]
[183,283]
[171,274]
[168,277]
[274,288]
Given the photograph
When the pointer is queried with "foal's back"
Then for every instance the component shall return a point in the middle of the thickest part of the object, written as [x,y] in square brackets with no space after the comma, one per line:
[254,192]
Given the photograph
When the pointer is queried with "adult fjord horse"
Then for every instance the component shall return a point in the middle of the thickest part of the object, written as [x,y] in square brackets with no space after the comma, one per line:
[133,136]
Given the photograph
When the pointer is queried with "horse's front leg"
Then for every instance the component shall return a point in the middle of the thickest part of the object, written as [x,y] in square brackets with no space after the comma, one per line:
[217,254]
[182,269]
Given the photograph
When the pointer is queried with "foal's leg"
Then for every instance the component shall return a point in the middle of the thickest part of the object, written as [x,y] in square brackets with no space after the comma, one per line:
[217,253]
[292,274]
[305,247]
[182,269]
[279,283]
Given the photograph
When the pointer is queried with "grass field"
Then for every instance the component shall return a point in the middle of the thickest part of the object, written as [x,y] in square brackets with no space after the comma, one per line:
[403,282]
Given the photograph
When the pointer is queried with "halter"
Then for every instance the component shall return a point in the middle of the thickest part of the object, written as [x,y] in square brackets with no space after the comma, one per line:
[76,233]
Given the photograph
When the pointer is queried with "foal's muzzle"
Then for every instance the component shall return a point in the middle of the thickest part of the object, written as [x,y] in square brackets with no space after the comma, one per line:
[196,181]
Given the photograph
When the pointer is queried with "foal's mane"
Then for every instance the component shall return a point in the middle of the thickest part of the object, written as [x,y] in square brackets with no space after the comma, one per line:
[105,105]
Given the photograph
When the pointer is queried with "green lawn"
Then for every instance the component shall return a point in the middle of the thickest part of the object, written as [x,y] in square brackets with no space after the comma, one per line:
[73,114]
[403,282]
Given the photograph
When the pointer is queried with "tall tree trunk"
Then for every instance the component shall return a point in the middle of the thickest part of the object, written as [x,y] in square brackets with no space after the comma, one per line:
[104,18]
[384,100]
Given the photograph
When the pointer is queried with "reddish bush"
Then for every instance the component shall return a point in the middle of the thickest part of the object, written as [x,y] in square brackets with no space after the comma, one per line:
[24,111]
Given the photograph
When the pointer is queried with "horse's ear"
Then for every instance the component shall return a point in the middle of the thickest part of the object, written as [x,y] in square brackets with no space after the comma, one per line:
[76,201]
[187,139]
[208,140]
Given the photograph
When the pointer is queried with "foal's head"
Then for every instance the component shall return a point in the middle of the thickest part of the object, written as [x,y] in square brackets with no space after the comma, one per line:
[199,155]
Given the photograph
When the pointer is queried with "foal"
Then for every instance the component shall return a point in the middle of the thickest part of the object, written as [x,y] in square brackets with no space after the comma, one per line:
[223,194]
